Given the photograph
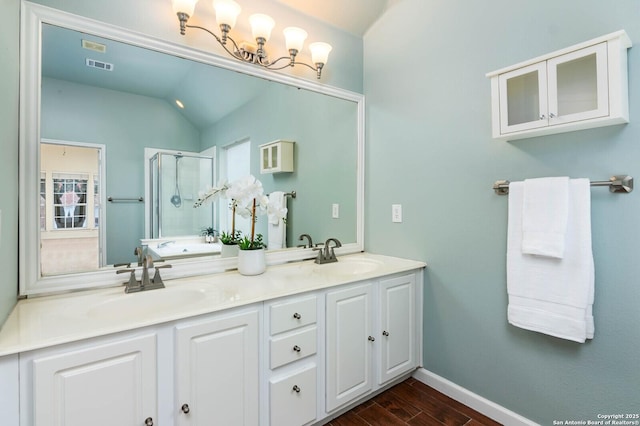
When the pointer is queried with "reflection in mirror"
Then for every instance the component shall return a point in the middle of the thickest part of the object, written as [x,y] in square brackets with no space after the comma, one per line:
[96,90]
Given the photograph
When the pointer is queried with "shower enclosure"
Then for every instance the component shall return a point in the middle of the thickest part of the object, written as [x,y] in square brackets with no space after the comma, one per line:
[176,180]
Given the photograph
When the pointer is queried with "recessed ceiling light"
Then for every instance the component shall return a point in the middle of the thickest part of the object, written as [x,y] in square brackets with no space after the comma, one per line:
[180,104]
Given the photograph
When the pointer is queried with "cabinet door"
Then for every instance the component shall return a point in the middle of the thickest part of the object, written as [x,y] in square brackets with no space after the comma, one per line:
[578,85]
[523,98]
[217,371]
[110,384]
[349,344]
[398,327]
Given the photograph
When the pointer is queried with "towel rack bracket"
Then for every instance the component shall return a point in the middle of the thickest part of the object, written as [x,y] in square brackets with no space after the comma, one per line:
[501,187]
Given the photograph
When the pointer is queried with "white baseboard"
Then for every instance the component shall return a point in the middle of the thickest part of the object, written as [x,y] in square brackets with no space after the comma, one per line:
[470,399]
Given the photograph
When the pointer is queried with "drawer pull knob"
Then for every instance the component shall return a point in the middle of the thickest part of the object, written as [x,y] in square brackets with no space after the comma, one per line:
[385,333]
[297,316]
[185,408]
[371,339]
[296,388]
[148,421]
[296,348]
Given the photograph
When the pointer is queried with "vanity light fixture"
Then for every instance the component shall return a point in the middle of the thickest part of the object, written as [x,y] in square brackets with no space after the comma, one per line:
[227,12]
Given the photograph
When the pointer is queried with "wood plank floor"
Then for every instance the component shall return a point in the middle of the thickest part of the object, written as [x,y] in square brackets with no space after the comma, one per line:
[412,403]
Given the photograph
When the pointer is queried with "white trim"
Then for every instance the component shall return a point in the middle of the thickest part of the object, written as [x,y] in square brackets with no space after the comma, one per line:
[472,400]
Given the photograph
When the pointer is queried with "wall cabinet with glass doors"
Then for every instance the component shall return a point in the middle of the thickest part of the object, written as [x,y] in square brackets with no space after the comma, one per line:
[580,87]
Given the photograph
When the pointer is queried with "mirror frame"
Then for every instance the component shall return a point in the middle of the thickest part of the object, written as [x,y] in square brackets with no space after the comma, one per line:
[32,18]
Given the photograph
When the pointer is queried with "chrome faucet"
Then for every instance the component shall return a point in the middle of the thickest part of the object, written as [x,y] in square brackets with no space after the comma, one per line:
[326,254]
[166,243]
[133,285]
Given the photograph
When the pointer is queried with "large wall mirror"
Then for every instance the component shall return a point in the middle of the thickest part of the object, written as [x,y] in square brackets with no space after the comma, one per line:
[98,101]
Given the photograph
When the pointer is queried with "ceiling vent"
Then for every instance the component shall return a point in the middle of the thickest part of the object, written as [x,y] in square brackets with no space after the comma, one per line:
[92,63]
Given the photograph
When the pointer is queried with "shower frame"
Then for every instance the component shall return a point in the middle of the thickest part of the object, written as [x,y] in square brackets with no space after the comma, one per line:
[155,187]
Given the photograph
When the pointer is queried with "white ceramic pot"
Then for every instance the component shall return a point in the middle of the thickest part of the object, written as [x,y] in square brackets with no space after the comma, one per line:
[251,262]
[229,250]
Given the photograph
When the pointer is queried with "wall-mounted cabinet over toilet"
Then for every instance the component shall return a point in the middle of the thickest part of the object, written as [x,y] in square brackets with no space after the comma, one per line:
[580,87]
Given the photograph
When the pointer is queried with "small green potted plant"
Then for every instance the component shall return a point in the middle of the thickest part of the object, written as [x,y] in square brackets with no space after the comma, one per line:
[210,235]
[229,242]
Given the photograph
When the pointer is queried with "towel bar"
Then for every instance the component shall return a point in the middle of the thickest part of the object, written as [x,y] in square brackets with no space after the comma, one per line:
[125,200]
[619,184]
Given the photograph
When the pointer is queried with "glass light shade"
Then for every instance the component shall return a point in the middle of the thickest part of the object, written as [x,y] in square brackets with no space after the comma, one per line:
[184,6]
[320,52]
[261,25]
[294,37]
[227,12]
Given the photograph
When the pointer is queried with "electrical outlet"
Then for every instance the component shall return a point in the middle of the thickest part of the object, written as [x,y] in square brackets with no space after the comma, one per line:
[396,213]
[335,211]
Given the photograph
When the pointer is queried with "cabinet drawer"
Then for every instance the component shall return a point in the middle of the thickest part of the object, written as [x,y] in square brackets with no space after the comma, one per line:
[293,347]
[293,314]
[293,398]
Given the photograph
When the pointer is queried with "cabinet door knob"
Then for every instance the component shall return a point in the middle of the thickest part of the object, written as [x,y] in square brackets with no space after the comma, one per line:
[385,333]
[148,421]
[542,117]
[297,316]
[551,115]
[296,348]
[185,408]
[296,388]
[371,339]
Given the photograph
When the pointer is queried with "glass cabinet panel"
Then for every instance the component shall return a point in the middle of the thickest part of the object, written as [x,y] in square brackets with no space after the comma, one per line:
[578,85]
[523,98]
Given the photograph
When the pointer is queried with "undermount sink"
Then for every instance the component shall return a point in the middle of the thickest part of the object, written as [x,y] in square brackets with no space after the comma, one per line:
[349,266]
[145,302]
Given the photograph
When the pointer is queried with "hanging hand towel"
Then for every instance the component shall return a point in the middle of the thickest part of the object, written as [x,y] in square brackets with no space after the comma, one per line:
[544,216]
[550,295]
[277,213]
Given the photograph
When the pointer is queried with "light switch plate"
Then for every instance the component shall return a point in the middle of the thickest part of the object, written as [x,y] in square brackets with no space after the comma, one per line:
[396,213]
[335,211]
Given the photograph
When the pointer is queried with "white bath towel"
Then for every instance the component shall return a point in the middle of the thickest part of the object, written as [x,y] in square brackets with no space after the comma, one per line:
[544,216]
[550,295]
[277,227]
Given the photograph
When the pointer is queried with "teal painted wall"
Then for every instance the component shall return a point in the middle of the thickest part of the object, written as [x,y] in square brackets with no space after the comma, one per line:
[429,148]
[9,72]
[79,113]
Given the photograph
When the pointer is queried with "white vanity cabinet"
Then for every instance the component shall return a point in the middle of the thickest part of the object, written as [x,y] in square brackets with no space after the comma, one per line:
[371,337]
[217,370]
[293,337]
[110,381]
[576,88]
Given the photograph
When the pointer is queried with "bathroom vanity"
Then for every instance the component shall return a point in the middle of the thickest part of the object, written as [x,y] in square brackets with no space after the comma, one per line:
[296,345]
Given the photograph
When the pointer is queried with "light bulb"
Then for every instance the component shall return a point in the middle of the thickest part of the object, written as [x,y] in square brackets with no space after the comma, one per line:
[320,52]
[227,12]
[294,37]
[261,25]
[184,6]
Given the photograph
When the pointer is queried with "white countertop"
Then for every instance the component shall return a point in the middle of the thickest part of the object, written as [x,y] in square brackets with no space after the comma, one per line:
[53,320]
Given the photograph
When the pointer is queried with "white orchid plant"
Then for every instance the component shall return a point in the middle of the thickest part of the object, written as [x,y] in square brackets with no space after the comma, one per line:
[248,200]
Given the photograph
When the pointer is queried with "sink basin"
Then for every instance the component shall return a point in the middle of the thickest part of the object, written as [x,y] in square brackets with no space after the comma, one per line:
[142,304]
[349,266]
